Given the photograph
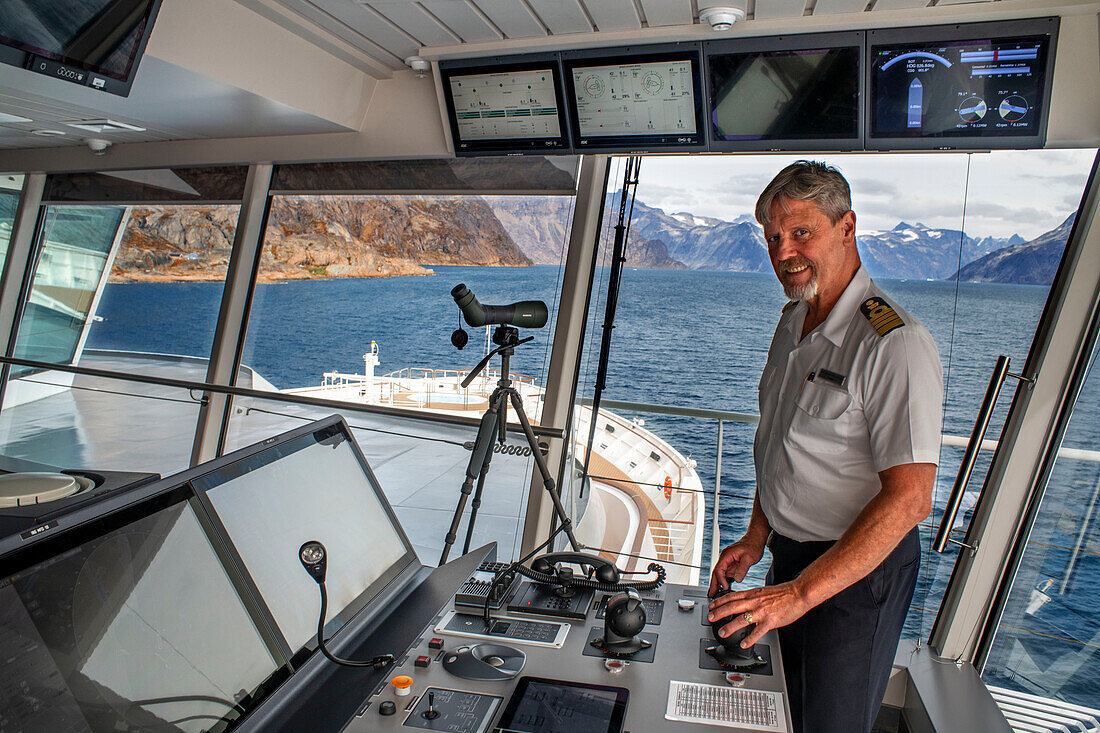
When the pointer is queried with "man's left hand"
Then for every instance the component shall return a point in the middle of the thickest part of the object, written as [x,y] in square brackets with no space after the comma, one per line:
[769,608]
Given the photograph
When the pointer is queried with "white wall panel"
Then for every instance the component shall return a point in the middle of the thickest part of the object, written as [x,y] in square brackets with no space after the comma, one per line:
[667,12]
[416,23]
[772,9]
[462,19]
[899,4]
[832,7]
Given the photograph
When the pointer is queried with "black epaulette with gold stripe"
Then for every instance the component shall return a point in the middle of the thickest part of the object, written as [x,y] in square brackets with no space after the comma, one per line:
[883,318]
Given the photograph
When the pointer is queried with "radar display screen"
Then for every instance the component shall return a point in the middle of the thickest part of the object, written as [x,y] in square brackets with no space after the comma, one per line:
[636,103]
[505,108]
[982,88]
[781,96]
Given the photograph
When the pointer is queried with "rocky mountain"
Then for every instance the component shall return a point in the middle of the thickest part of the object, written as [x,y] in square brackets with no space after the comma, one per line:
[703,243]
[1031,263]
[319,236]
[642,252]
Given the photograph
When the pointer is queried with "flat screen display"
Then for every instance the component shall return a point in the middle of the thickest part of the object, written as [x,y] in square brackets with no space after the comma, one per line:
[981,88]
[636,101]
[315,487]
[784,95]
[559,706]
[507,107]
[104,36]
[138,628]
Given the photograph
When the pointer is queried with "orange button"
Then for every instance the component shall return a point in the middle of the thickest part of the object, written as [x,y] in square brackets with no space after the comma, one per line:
[401,685]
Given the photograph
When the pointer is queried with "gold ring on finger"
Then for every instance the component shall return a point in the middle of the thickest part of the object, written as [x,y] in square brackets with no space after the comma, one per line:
[748,616]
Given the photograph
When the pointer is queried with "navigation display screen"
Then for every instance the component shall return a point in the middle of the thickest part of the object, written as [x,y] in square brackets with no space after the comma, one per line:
[974,88]
[505,107]
[311,488]
[139,628]
[541,705]
[640,102]
[810,94]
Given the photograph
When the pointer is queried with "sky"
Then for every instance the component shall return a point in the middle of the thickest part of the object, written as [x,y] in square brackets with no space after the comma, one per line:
[1025,192]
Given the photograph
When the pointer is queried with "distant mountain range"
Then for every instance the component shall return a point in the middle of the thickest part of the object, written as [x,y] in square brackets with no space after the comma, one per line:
[379,236]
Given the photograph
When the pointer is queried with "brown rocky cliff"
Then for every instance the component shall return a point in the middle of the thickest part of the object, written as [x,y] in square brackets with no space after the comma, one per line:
[319,236]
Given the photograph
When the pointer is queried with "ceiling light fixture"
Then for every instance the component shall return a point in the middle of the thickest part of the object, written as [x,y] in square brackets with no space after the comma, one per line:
[104,125]
[721,18]
[7,117]
[48,133]
[419,65]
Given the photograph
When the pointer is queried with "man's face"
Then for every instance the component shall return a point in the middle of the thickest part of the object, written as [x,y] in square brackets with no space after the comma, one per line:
[810,254]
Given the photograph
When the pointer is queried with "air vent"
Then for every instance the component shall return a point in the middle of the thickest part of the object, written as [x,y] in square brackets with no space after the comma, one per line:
[101,126]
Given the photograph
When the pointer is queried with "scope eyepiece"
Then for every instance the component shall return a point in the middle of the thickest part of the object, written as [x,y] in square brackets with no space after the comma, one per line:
[524,314]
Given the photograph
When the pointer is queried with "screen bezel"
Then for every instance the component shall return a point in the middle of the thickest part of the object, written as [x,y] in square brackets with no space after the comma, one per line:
[503,65]
[162,495]
[276,448]
[110,83]
[807,42]
[688,51]
[614,724]
[995,31]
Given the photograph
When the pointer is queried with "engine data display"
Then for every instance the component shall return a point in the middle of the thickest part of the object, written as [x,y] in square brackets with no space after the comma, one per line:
[631,99]
[514,104]
[971,88]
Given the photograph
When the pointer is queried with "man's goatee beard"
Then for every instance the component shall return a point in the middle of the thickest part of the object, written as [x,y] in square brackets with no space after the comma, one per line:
[805,291]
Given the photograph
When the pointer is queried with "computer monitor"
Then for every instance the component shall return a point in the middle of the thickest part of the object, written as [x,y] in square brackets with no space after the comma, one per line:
[636,99]
[508,104]
[128,622]
[785,92]
[976,86]
[316,486]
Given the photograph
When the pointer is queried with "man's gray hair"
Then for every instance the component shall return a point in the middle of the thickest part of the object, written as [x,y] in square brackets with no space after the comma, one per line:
[807,180]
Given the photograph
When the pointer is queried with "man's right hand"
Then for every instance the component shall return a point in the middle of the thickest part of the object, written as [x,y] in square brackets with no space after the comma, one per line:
[734,563]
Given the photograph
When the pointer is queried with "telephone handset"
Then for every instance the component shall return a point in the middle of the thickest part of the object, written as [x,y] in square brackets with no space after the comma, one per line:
[604,575]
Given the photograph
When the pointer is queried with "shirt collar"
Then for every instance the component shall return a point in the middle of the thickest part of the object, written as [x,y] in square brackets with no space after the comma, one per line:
[836,323]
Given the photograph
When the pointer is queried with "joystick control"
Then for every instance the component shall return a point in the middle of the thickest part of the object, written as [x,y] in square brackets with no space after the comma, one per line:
[624,618]
[728,651]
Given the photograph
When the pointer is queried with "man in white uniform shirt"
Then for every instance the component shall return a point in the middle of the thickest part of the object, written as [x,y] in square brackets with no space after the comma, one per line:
[845,454]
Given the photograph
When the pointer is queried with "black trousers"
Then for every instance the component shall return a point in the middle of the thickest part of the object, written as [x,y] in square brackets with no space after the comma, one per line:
[838,656]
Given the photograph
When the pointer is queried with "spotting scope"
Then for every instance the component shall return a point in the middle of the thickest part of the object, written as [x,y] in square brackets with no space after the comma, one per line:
[524,314]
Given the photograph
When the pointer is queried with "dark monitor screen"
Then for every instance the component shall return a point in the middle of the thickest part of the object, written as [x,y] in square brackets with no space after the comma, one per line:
[505,106]
[981,89]
[778,97]
[103,36]
[132,625]
[541,705]
[313,487]
[636,100]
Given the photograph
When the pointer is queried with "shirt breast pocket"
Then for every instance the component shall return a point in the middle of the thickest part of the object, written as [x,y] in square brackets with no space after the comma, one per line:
[820,420]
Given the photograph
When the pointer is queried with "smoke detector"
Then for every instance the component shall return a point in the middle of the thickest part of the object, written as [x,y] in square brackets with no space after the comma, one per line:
[721,18]
[98,145]
[419,65]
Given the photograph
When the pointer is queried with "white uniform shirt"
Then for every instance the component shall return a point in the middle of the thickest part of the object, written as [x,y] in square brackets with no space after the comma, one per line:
[841,405]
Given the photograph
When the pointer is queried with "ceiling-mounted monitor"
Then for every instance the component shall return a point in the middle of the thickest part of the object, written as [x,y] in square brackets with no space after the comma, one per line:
[975,86]
[505,105]
[93,43]
[636,99]
[785,92]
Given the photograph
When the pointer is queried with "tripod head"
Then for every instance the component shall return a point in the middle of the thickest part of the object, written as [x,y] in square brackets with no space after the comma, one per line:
[507,338]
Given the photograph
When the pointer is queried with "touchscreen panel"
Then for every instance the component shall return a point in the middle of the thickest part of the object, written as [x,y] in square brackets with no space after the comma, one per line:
[137,629]
[981,88]
[559,706]
[311,488]
[810,94]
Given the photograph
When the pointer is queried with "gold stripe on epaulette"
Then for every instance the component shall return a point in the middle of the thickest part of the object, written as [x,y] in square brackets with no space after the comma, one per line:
[789,305]
[883,318]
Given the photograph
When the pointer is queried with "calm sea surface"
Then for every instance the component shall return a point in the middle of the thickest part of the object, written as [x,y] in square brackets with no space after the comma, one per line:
[683,338]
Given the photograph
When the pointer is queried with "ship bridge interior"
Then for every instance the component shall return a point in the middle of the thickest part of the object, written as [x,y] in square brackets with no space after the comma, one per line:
[263,229]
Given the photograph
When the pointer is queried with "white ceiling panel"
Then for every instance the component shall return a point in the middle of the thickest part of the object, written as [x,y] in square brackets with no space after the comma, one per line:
[899,4]
[414,21]
[667,12]
[773,9]
[513,18]
[462,19]
[562,16]
[369,24]
[960,2]
[614,15]
[832,7]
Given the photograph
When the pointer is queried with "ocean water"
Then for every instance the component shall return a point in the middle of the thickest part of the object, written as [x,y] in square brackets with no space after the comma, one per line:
[684,338]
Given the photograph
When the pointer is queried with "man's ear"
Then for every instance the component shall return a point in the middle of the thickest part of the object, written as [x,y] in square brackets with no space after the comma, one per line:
[848,223]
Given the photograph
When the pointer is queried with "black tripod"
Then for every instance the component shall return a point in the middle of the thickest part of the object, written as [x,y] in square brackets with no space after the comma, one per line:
[494,426]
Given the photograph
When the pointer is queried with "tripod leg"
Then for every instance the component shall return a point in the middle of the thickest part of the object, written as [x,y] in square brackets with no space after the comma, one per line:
[476,503]
[479,459]
[544,471]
